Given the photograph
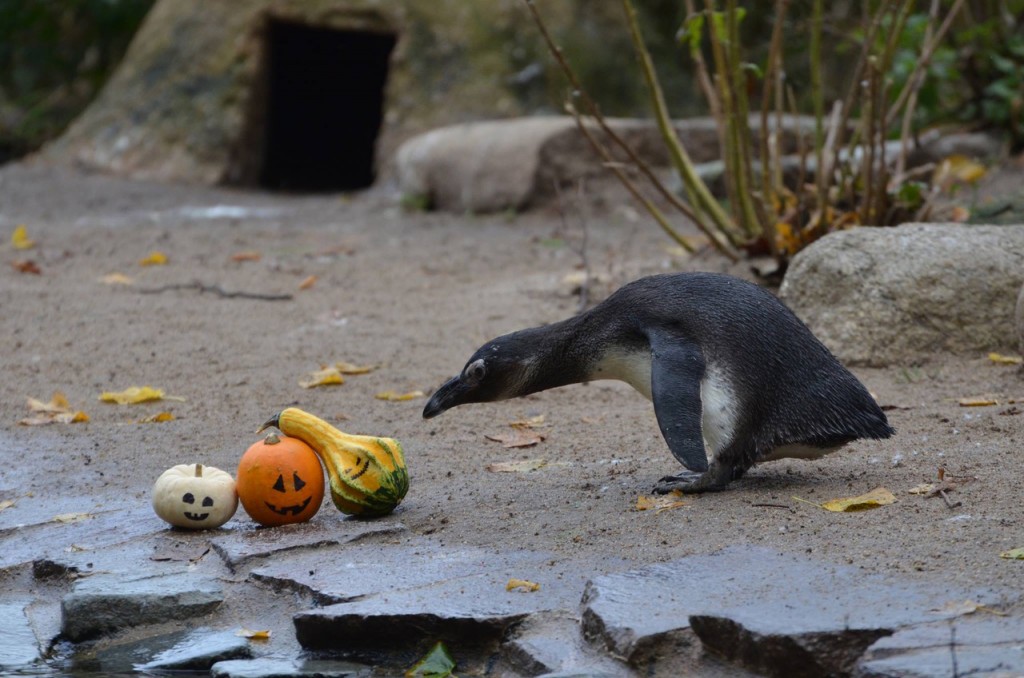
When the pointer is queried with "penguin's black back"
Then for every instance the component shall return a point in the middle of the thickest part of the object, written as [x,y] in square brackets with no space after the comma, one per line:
[790,388]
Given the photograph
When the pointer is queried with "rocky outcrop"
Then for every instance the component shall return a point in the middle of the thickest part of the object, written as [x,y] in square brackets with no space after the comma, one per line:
[883,296]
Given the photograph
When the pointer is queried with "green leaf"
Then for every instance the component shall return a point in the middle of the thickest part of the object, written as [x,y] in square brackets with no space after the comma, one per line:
[437,663]
[1013,554]
[692,30]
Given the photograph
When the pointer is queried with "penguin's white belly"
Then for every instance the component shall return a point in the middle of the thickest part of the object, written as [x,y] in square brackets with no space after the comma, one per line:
[798,451]
[720,407]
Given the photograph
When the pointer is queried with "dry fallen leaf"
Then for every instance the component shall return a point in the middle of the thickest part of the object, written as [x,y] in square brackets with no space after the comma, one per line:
[879,496]
[395,397]
[1013,554]
[20,239]
[6,504]
[352,368]
[71,517]
[1000,359]
[962,607]
[519,437]
[957,169]
[923,488]
[154,258]
[253,635]
[523,466]
[664,502]
[980,401]
[27,266]
[530,422]
[523,585]
[325,376]
[116,279]
[57,411]
[158,418]
[136,394]
[248,255]
[308,282]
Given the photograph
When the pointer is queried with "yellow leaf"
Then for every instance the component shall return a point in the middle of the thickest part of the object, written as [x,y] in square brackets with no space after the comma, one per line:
[157,418]
[999,359]
[71,517]
[325,376]
[981,401]
[399,397]
[135,394]
[20,239]
[116,279]
[1013,554]
[523,585]
[351,368]
[307,283]
[661,503]
[57,411]
[154,258]
[253,635]
[58,403]
[6,504]
[923,488]
[873,499]
[957,168]
[531,422]
[962,607]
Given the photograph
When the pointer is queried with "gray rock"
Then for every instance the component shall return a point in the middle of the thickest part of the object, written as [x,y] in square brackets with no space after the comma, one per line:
[552,645]
[285,668]
[969,646]
[109,602]
[243,545]
[198,651]
[513,164]
[882,296]
[18,646]
[773,613]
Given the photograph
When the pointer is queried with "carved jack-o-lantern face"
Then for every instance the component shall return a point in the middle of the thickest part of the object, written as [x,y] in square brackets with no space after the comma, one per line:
[280,481]
[195,496]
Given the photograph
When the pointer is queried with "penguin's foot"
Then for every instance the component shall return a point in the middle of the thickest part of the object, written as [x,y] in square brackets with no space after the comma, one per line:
[691,482]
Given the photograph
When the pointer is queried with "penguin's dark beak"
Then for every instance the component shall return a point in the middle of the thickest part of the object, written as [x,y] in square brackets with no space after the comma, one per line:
[448,396]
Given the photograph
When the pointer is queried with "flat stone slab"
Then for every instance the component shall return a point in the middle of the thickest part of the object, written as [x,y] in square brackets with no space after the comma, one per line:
[774,613]
[398,597]
[981,644]
[286,668]
[198,651]
[19,648]
[108,602]
[242,545]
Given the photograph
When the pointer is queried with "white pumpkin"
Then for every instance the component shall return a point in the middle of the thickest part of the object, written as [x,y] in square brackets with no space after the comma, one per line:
[195,496]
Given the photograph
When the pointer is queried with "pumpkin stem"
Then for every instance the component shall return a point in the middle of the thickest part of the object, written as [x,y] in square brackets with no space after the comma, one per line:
[199,470]
[272,439]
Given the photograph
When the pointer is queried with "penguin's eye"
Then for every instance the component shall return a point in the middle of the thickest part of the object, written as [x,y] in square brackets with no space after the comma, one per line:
[475,371]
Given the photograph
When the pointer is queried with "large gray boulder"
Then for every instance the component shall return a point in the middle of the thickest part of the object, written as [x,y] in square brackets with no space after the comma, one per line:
[496,165]
[882,296]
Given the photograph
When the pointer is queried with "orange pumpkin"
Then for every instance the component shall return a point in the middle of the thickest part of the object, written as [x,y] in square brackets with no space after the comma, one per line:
[280,481]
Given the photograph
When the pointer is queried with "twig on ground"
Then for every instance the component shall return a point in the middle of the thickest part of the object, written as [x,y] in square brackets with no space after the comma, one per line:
[215,289]
[581,250]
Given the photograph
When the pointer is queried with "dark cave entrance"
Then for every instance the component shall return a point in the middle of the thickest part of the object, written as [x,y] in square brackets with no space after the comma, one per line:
[325,105]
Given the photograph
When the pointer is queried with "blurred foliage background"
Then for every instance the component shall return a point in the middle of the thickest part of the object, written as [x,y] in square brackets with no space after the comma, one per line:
[56,55]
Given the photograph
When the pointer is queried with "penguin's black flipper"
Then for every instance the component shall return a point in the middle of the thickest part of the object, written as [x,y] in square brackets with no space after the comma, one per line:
[677,367]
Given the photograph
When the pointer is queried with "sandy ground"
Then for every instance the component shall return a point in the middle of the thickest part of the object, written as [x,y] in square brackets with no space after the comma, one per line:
[417,293]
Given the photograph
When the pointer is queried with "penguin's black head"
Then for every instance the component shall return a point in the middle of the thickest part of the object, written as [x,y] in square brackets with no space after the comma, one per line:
[500,369]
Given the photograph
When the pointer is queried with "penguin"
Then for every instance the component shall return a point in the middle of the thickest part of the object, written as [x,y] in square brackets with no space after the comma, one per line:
[735,377]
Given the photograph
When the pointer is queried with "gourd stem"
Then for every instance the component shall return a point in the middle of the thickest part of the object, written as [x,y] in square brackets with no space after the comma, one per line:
[199,470]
